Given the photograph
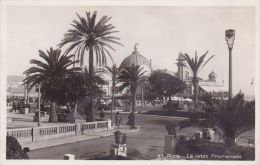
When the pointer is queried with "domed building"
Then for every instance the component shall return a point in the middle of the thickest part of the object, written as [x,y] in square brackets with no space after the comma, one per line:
[211,85]
[212,76]
[136,59]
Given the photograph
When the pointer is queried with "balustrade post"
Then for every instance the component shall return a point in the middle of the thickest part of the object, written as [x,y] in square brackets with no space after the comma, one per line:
[36,133]
[96,126]
[109,124]
[78,129]
[58,129]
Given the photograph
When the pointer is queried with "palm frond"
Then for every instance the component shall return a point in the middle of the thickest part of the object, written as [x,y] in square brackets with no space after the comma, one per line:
[86,32]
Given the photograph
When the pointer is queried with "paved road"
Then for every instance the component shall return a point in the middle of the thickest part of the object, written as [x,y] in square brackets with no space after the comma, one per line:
[150,138]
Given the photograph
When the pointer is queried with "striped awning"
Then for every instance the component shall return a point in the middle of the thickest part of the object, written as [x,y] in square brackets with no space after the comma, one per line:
[212,89]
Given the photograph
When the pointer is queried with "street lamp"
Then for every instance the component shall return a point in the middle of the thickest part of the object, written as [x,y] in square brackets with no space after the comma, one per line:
[230,37]
[142,94]
[39,104]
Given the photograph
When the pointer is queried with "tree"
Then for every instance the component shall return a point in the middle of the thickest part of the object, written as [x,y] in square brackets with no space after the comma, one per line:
[91,35]
[195,65]
[228,120]
[91,83]
[113,72]
[73,90]
[130,77]
[50,74]
[165,84]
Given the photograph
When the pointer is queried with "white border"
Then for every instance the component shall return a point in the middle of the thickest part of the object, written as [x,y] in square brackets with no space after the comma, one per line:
[6,3]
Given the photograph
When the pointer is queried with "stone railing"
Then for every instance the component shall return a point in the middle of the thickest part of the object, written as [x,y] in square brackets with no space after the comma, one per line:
[25,134]
[58,131]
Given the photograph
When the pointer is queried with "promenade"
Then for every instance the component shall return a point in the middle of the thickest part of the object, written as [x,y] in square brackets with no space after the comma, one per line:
[148,139]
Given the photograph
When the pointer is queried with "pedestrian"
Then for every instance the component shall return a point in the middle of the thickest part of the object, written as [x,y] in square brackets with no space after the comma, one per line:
[14,106]
[118,119]
[102,113]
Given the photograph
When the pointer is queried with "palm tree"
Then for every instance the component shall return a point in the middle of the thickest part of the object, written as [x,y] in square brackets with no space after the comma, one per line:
[113,72]
[195,65]
[91,35]
[130,77]
[229,121]
[50,74]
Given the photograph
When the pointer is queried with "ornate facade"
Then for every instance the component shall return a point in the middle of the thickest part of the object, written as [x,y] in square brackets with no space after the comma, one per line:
[211,85]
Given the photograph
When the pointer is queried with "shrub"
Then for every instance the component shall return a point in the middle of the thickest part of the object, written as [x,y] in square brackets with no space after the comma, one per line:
[14,149]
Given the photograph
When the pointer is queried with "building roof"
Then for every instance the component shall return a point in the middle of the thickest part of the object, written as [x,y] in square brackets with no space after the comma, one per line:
[135,59]
[166,71]
[212,75]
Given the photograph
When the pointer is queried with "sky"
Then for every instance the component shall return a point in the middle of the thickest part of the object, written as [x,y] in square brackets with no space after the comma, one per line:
[162,32]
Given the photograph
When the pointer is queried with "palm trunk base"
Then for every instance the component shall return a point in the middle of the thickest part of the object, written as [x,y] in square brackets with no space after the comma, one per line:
[229,143]
[53,114]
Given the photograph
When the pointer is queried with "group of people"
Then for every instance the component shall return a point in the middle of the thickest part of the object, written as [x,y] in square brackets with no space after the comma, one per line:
[130,122]
[118,119]
[19,106]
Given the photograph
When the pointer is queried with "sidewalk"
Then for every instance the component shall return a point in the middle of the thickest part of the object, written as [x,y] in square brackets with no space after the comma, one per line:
[73,139]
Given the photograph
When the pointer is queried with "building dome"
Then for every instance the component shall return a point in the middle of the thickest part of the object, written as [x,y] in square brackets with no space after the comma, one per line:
[135,59]
[212,76]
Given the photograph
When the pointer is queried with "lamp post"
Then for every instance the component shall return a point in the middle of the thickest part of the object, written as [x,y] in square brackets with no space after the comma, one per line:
[230,37]
[39,104]
[25,94]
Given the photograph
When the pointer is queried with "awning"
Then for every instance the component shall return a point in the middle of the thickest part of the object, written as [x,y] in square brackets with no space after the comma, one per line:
[212,89]
[188,99]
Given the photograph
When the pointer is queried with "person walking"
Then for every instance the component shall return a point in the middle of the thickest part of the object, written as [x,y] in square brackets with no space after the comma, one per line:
[102,114]
[118,119]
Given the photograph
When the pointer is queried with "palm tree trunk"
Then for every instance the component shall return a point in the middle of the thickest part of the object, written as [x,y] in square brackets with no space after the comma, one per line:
[134,100]
[91,73]
[229,142]
[113,100]
[134,104]
[195,85]
[53,113]
[126,103]
[75,110]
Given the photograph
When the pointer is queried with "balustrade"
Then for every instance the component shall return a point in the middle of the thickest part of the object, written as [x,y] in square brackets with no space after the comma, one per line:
[48,132]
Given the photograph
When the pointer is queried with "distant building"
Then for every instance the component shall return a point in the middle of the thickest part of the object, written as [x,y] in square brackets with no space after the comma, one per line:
[16,90]
[135,58]
[210,85]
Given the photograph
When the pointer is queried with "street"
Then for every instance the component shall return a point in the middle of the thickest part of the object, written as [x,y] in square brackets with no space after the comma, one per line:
[149,138]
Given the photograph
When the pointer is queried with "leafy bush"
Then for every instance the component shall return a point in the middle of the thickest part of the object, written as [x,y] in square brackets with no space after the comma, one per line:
[228,119]
[14,149]
[172,106]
